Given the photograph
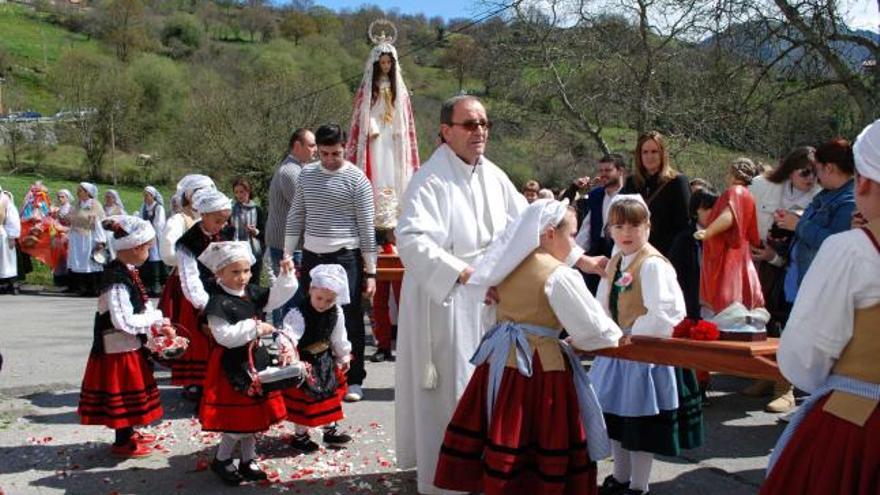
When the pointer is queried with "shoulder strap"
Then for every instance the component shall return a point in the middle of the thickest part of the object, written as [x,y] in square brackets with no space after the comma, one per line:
[872,237]
[653,195]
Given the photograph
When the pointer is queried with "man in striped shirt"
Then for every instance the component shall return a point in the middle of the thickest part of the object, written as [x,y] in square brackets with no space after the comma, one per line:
[281,191]
[332,215]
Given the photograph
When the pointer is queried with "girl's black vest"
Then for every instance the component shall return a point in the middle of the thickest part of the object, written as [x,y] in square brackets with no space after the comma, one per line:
[114,273]
[319,326]
[196,241]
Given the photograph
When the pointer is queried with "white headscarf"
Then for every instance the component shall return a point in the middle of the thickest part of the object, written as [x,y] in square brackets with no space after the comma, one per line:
[90,188]
[210,200]
[331,277]
[191,183]
[152,191]
[66,193]
[866,152]
[220,254]
[633,197]
[517,241]
[116,197]
[128,231]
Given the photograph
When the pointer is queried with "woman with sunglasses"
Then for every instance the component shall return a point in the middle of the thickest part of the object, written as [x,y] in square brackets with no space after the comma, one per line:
[788,187]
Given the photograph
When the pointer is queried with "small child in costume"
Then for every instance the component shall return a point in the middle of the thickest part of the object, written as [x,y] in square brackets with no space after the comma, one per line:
[235,311]
[317,326]
[118,389]
[185,297]
[640,401]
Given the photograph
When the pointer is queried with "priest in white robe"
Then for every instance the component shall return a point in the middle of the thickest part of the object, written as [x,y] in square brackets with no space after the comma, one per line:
[455,205]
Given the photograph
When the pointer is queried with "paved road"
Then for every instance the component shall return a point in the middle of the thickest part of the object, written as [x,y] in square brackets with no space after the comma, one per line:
[45,341]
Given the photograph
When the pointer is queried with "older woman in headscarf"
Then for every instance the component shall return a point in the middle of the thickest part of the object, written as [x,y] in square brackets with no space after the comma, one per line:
[62,212]
[153,211]
[86,238]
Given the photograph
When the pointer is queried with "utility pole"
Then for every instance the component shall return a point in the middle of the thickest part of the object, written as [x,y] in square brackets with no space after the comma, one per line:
[2,80]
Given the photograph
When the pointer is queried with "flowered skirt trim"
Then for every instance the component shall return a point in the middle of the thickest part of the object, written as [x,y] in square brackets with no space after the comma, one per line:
[305,410]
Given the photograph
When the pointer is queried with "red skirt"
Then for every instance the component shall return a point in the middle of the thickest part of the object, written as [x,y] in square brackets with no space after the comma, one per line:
[304,410]
[225,409]
[828,455]
[191,367]
[535,443]
[118,391]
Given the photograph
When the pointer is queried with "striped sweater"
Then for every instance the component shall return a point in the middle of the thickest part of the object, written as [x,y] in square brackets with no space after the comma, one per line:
[281,192]
[331,211]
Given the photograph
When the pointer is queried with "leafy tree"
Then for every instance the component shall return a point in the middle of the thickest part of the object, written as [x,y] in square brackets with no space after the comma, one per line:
[458,57]
[181,35]
[296,25]
[122,24]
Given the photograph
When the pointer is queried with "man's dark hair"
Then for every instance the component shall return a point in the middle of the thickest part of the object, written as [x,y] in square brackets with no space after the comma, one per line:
[297,136]
[615,158]
[329,135]
[448,107]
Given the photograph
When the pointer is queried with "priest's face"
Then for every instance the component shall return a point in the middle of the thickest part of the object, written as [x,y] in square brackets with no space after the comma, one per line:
[469,131]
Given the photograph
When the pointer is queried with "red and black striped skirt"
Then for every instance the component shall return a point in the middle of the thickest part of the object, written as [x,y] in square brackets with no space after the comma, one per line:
[191,367]
[225,409]
[305,410]
[118,391]
[828,455]
[534,444]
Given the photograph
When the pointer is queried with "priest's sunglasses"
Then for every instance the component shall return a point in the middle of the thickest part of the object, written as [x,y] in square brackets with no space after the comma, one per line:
[473,125]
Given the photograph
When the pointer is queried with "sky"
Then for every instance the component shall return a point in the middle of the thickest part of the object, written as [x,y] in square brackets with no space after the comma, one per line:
[863,14]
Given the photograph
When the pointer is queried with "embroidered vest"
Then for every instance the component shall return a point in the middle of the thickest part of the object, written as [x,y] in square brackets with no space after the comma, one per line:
[630,304]
[84,219]
[196,241]
[522,300]
[319,327]
[234,309]
[114,273]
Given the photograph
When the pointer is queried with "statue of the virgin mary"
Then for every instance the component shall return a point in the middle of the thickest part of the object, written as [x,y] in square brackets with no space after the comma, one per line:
[383,135]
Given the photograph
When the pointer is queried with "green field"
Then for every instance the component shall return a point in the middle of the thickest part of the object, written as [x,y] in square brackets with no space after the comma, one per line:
[35,46]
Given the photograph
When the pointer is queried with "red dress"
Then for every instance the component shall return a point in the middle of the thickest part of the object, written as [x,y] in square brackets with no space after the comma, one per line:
[191,367]
[728,274]
[536,445]
[118,390]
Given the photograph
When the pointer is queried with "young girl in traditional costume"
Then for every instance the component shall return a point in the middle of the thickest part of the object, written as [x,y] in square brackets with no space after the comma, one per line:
[235,312]
[184,296]
[829,349]
[317,327]
[528,421]
[153,211]
[183,214]
[640,400]
[118,389]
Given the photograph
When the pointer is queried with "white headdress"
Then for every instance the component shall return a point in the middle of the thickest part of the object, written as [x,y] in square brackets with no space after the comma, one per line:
[210,200]
[220,254]
[152,191]
[116,197]
[90,188]
[128,231]
[191,183]
[866,152]
[632,197]
[66,193]
[517,241]
[332,277]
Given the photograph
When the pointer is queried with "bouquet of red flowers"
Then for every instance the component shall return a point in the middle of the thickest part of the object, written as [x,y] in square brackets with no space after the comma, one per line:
[696,330]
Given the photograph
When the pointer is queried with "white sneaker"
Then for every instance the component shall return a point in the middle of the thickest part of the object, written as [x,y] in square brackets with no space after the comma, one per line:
[355,393]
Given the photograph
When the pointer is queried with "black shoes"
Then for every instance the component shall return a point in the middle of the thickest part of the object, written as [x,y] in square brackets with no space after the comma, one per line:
[382,355]
[251,471]
[227,471]
[613,487]
[192,393]
[304,444]
[334,438]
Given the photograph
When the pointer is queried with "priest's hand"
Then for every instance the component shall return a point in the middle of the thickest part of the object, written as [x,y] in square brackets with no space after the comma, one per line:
[465,274]
[370,288]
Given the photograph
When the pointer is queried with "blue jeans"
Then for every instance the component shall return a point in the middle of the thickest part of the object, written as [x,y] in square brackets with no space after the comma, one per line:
[275,256]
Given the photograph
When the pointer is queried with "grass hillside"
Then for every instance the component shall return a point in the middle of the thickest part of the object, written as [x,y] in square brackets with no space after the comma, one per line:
[35,45]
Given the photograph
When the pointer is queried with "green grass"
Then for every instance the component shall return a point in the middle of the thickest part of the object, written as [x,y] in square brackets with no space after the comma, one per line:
[35,46]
